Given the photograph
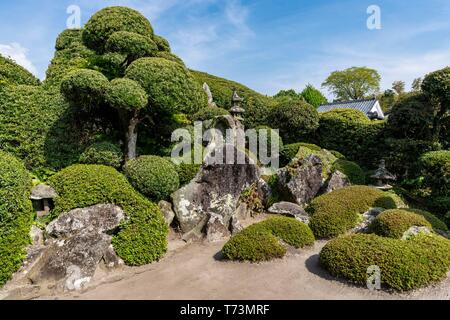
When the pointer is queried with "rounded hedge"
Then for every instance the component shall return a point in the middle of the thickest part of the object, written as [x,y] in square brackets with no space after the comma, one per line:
[13,74]
[169,56]
[15,215]
[105,153]
[187,172]
[163,44]
[169,86]
[352,170]
[435,167]
[405,265]
[126,94]
[209,113]
[261,241]
[131,44]
[294,119]
[84,87]
[143,238]
[435,222]
[394,223]
[68,38]
[153,176]
[339,211]
[113,19]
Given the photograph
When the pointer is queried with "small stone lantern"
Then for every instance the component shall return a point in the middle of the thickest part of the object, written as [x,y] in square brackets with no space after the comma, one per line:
[383,176]
[42,197]
[236,110]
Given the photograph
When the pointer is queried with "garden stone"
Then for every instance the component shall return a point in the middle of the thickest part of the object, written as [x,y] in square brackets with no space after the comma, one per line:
[290,209]
[80,241]
[216,228]
[37,236]
[367,219]
[338,180]
[236,225]
[414,231]
[301,181]
[264,191]
[166,210]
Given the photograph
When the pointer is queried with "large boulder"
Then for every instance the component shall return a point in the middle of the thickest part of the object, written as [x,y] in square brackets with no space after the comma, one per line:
[212,197]
[302,180]
[338,180]
[290,209]
[77,242]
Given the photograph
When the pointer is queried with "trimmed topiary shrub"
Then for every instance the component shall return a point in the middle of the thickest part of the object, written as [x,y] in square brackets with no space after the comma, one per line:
[394,223]
[130,44]
[143,238]
[126,94]
[261,241]
[352,170]
[13,74]
[435,222]
[187,172]
[337,212]
[153,176]
[163,44]
[15,215]
[436,170]
[208,113]
[105,153]
[405,265]
[294,119]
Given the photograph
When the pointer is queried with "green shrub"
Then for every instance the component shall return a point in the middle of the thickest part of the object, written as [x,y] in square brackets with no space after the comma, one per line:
[109,20]
[261,241]
[15,215]
[294,119]
[405,265]
[105,153]
[325,156]
[169,56]
[163,44]
[337,212]
[436,170]
[208,113]
[131,44]
[187,172]
[394,223]
[352,170]
[435,222]
[143,238]
[338,155]
[289,151]
[126,94]
[313,96]
[68,38]
[13,74]
[153,176]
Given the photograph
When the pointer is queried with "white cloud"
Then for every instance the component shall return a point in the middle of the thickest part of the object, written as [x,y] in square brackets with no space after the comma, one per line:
[19,54]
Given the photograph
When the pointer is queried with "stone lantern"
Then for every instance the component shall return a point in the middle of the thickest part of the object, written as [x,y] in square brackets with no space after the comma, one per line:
[42,197]
[382,177]
[236,110]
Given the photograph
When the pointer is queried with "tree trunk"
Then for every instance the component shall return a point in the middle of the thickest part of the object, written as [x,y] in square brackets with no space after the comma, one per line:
[132,136]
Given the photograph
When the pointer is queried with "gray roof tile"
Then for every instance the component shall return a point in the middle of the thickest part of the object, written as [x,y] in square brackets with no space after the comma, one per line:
[361,105]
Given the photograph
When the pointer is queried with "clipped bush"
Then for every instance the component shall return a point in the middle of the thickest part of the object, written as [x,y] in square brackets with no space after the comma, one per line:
[109,20]
[143,238]
[337,212]
[436,170]
[131,44]
[261,241]
[13,74]
[68,38]
[294,119]
[208,113]
[435,222]
[15,215]
[187,172]
[405,265]
[352,170]
[105,153]
[153,176]
[163,44]
[394,223]
[126,94]
[169,56]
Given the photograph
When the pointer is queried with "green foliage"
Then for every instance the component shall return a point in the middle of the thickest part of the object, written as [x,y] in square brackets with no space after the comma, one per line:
[109,20]
[142,239]
[405,265]
[290,94]
[256,105]
[187,172]
[294,119]
[269,134]
[353,83]
[169,85]
[131,44]
[351,169]
[261,241]
[15,215]
[313,96]
[105,153]
[85,88]
[394,223]
[169,56]
[338,155]
[153,176]
[68,39]
[435,222]
[208,113]
[126,94]
[337,212]
[289,151]
[436,170]
[13,74]
[163,44]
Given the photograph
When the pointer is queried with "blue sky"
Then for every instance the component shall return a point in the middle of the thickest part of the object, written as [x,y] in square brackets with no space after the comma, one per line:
[267,45]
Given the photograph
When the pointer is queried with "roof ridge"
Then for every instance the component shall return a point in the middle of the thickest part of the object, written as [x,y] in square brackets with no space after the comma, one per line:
[349,101]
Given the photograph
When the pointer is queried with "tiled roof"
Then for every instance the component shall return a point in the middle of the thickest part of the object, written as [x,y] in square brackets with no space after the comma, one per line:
[361,105]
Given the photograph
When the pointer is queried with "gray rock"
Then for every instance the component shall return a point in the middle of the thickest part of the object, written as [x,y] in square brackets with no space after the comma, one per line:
[215,192]
[338,180]
[236,225]
[290,209]
[80,242]
[166,209]
[367,219]
[37,236]
[216,228]
[264,191]
[414,231]
[302,180]
[42,191]
[242,212]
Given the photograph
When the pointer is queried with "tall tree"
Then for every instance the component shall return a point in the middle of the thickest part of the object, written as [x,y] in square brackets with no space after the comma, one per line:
[354,83]
[436,87]
[416,84]
[287,95]
[313,96]
[134,73]
[399,87]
